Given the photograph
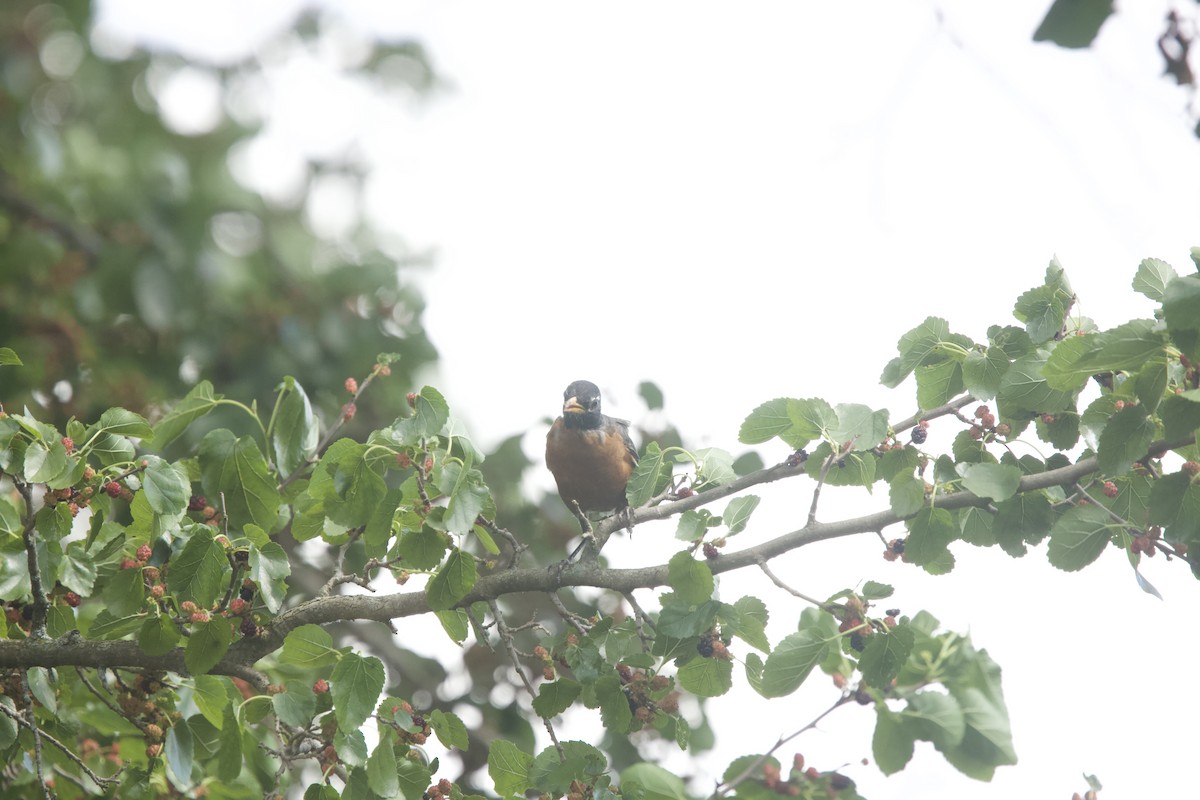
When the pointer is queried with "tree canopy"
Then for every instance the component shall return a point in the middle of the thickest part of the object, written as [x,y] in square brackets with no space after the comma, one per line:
[215,546]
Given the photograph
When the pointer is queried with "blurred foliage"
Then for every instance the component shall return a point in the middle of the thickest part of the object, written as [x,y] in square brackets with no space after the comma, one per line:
[133,264]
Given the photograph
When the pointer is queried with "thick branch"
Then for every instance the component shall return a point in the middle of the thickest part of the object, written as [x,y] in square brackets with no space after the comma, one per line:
[72,651]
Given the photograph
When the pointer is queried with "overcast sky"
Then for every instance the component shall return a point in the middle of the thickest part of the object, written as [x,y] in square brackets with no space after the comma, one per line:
[743,202]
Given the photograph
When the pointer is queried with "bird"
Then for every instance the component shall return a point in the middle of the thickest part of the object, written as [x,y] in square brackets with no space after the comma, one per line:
[590,455]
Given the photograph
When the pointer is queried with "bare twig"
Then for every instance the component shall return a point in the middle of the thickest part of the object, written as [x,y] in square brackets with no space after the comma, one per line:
[39,734]
[41,608]
[751,768]
[574,620]
[775,580]
[506,637]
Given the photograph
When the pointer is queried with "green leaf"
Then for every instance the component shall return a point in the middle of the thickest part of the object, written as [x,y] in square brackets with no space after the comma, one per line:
[468,497]
[651,395]
[885,653]
[1079,537]
[1062,371]
[1043,310]
[861,425]
[921,345]
[450,730]
[1073,24]
[125,593]
[236,468]
[294,431]
[45,463]
[167,488]
[1152,278]
[198,402]
[158,635]
[930,531]
[995,481]
[356,684]
[208,644]
[983,371]
[1022,519]
[737,513]
[1125,439]
[648,478]
[812,418]
[179,749]
[765,422]
[210,697]
[382,774]
[1024,389]
[199,572]
[938,384]
[508,767]
[9,358]
[452,582]
[1062,432]
[706,677]
[892,743]
[791,662]
[556,697]
[351,747]
[653,782]
[553,771]
[229,751]
[1181,305]
[430,414]
[747,619]
[937,717]
[693,524]
[120,422]
[1125,348]
[906,493]
[355,490]
[41,686]
[692,580]
[1181,415]
[309,647]
[976,527]
[1151,382]
[269,568]
[615,712]
[454,623]
[295,706]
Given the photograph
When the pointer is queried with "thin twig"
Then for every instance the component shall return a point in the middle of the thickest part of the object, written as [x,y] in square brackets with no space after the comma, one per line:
[825,465]
[31,724]
[762,564]
[640,621]
[40,734]
[506,638]
[574,620]
[722,788]
[41,608]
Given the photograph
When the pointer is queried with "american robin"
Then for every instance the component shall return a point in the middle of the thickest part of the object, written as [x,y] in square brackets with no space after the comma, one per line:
[590,455]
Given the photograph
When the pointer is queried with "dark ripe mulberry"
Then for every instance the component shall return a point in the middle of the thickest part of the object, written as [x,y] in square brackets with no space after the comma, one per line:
[248,627]
[797,458]
[246,593]
[197,502]
[919,435]
[705,648]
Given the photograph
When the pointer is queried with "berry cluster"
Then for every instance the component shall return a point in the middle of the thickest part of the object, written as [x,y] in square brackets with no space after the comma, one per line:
[895,550]
[442,790]
[140,706]
[1147,542]
[580,791]
[987,428]
[802,781]
[713,644]
[853,615]
[647,695]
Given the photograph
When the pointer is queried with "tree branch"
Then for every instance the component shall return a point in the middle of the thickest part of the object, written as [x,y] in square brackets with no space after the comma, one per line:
[71,651]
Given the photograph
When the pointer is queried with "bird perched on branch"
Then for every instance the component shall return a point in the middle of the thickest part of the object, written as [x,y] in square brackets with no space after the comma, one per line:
[590,455]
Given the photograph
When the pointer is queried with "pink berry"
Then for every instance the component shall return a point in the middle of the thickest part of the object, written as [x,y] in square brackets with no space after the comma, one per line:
[351,386]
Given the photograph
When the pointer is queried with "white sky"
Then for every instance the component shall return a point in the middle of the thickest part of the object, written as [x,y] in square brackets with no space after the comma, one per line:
[746,202]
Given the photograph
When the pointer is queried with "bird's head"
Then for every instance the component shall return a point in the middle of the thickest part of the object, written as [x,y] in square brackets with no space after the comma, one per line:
[581,405]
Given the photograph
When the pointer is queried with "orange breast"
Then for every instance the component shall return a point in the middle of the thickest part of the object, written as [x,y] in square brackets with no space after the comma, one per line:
[590,467]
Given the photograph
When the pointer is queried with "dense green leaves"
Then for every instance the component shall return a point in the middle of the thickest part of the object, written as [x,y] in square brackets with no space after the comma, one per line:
[356,683]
